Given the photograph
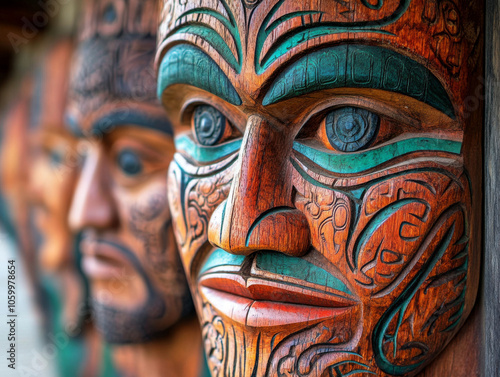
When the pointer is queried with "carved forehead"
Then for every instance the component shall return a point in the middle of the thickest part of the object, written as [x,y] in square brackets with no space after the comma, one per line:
[114,19]
[256,39]
[113,67]
[50,86]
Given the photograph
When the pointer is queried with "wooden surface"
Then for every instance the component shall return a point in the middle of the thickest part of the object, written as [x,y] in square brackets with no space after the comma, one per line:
[491,265]
[463,355]
[138,289]
[312,249]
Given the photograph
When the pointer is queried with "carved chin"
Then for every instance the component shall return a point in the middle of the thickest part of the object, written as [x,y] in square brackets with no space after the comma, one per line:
[121,326]
[402,301]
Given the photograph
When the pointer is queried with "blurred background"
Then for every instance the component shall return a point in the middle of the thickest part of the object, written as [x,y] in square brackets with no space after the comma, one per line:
[23,26]
[27,29]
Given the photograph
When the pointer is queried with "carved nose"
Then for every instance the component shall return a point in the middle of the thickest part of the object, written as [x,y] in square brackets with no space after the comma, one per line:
[92,205]
[259,213]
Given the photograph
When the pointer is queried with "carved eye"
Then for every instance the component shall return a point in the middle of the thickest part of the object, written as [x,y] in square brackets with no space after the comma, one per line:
[210,125]
[350,129]
[56,157]
[129,162]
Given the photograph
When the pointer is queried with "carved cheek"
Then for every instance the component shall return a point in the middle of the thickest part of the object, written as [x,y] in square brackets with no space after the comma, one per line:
[404,252]
[416,318]
[174,201]
[328,213]
[394,233]
[193,197]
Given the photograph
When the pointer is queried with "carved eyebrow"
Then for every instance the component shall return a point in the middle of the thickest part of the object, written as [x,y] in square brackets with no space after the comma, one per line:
[359,66]
[120,118]
[206,32]
[187,64]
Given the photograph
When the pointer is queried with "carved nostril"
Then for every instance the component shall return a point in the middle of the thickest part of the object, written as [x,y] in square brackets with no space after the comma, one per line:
[281,229]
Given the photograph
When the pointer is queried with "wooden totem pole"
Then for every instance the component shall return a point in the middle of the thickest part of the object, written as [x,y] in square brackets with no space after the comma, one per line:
[326,189]
[140,297]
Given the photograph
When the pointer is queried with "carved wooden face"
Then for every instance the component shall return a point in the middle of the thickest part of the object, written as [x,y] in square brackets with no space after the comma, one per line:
[322,189]
[52,176]
[38,177]
[136,278]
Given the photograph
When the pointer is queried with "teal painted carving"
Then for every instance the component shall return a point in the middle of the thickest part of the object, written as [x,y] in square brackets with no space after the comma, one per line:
[283,265]
[358,66]
[186,64]
[206,154]
[338,373]
[350,129]
[279,264]
[209,125]
[262,216]
[212,36]
[377,6]
[398,308]
[381,217]
[221,258]
[357,162]
[317,28]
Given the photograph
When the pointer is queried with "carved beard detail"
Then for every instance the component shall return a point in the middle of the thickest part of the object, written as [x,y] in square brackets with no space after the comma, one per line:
[162,263]
[422,212]
[158,244]
[136,326]
[146,322]
[121,326]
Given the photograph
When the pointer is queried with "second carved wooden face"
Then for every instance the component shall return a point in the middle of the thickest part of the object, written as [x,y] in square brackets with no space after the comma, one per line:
[52,177]
[326,189]
[137,283]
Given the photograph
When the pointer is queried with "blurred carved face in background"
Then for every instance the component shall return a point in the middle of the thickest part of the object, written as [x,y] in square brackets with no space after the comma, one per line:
[39,176]
[322,190]
[136,279]
[51,176]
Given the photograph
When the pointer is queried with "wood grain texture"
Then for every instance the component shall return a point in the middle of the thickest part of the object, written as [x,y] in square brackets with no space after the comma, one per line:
[137,287]
[491,265]
[335,229]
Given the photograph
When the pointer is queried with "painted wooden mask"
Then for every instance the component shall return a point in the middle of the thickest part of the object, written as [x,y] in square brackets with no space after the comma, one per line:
[326,186]
[137,284]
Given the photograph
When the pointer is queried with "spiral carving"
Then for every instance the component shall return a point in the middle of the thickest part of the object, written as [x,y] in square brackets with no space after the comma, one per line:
[350,129]
[209,125]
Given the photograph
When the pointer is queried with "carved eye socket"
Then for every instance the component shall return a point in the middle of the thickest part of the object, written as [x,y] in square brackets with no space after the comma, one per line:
[350,129]
[56,157]
[129,162]
[210,126]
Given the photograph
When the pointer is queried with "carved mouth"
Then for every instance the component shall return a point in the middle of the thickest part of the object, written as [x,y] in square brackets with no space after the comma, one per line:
[270,289]
[103,260]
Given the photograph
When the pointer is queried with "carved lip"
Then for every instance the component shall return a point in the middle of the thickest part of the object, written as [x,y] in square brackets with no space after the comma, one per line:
[102,260]
[255,297]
